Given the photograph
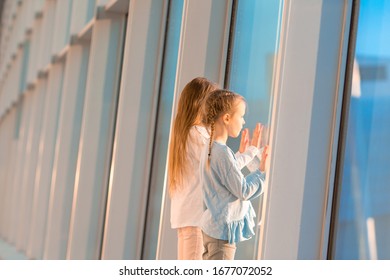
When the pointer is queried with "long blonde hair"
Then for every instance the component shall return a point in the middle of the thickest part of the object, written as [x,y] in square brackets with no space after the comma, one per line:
[219,102]
[189,112]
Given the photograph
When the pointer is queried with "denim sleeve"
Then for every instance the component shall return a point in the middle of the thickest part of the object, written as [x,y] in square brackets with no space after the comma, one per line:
[246,157]
[244,188]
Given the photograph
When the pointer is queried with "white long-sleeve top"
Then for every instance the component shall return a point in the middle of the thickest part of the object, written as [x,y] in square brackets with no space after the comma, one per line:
[187,201]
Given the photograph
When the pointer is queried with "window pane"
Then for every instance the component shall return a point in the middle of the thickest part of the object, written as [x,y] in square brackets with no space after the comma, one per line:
[363,224]
[252,65]
[162,138]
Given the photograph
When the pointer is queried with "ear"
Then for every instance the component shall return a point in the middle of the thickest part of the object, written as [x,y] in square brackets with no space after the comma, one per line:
[226,118]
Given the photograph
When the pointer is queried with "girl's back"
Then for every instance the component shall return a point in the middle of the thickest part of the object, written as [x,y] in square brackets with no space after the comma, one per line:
[229,214]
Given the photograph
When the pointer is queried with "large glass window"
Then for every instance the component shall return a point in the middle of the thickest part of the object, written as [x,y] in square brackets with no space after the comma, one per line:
[162,137]
[253,52]
[363,222]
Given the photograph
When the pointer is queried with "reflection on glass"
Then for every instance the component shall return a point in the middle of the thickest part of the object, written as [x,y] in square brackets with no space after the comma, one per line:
[253,51]
[363,225]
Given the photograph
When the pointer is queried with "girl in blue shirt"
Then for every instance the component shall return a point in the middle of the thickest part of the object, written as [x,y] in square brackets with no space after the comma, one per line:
[189,136]
[229,215]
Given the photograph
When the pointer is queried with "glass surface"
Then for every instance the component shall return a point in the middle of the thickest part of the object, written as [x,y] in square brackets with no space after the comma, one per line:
[251,73]
[158,182]
[363,224]
[254,49]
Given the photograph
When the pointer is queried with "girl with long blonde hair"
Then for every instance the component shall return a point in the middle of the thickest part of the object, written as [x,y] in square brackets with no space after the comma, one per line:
[188,138]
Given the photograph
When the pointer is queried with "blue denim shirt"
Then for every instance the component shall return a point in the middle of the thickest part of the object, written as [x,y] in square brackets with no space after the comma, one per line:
[229,214]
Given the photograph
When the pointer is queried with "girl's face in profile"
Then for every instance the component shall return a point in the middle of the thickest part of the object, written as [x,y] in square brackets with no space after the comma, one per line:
[236,120]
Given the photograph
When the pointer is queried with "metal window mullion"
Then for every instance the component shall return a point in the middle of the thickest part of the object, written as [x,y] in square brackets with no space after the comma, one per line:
[334,201]
[62,25]
[95,140]
[46,38]
[67,143]
[29,166]
[41,188]
[307,91]
[32,72]
[20,154]
[136,112]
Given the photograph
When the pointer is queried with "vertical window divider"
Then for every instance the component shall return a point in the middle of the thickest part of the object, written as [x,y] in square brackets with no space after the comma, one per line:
[229,54]
[343,128]
[113,133]
[155,130]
